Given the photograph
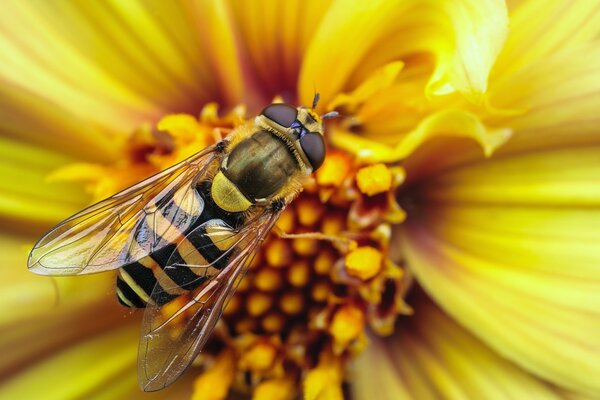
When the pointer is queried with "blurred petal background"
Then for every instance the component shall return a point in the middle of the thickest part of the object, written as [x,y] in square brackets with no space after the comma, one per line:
[489,108]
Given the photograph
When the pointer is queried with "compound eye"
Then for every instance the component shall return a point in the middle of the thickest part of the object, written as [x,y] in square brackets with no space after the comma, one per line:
[313,146]
[283,114]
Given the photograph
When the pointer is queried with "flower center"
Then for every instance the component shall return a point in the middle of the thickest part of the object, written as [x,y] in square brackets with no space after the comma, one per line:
[319,280]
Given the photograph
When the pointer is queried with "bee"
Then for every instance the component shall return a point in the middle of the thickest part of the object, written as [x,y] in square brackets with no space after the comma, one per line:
[186,236]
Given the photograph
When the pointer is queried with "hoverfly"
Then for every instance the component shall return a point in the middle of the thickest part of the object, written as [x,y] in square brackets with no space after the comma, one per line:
[189,232]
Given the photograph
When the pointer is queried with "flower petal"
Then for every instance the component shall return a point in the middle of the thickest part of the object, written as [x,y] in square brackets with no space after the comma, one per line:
[512,242]
[274,36]
[558,97]
[24,188]
[114,63]
[432,357]
[27,117]
[83,368]
[539,28]
[550,104]
[450,123]
[102,367]
[464,37]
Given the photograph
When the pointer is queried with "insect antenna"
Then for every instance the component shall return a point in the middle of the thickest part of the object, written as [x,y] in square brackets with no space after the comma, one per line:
[330,114]
[316,100]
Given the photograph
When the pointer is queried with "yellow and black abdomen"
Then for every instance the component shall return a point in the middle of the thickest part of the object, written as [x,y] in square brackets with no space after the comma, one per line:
[136,281]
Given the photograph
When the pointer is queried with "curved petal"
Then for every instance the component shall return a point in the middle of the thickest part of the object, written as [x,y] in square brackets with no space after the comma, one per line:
[27,117]
[447,123]
[555,100]
[375,33]
[24,187]
[115,63]
[432,357]
[539,28]
[273,36]
[101,368]
[509,247]
[552,103]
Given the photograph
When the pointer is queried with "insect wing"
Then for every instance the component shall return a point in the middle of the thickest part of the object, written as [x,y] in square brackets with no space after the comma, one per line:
[127,226]
[175,333]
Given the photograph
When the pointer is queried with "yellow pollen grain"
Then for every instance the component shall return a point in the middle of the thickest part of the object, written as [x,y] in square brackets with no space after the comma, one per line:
[243,286]
[299,273]
[292,303]
[324,261]
[267,279]
[364,262]
[234,305]
[259,357]
[320,291]
[305,247]
[347,323]
[275,389]
[374,179]
[258,303]
[334,170]
[257,260]
[273,322]
[287,220]
[310,210]
[245,325]
[278,253]
[333,223]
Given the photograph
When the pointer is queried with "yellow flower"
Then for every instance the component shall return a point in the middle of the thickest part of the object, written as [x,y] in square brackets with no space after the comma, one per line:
[464,169]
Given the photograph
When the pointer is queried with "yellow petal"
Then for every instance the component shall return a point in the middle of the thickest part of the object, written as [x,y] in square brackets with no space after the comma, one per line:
[538,28]
[214,383]
[114,63]
[559,99]
[432,357]
[27,199]
[273,36]
[379,80]
[79,372]
[512,242]
[451,123]
[34,119]
[324,382]
[464,38]
[275,389]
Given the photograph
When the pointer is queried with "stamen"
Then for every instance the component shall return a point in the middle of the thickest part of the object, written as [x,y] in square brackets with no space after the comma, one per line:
[374,179]
[364,262]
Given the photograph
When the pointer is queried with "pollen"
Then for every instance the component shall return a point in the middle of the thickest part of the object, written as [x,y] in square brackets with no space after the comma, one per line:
[310,210]
[275,389]
[278,253]
[364,262]
[302,308]
[287,220]
[299,273]
[324,262]
[259,357]
[273,322]
[333,223]
[258,303]
[347,323]
[292,302]
[374,179]
[267,279]
[305,247]
[334,170]
[320,291]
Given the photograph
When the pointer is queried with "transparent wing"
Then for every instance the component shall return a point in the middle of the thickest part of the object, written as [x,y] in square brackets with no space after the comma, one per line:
[174,334]
[102,237]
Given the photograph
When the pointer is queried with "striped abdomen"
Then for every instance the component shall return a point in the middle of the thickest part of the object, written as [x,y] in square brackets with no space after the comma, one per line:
[137,280]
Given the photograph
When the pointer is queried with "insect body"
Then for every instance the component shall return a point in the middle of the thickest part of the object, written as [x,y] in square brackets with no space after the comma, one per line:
[189,232]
